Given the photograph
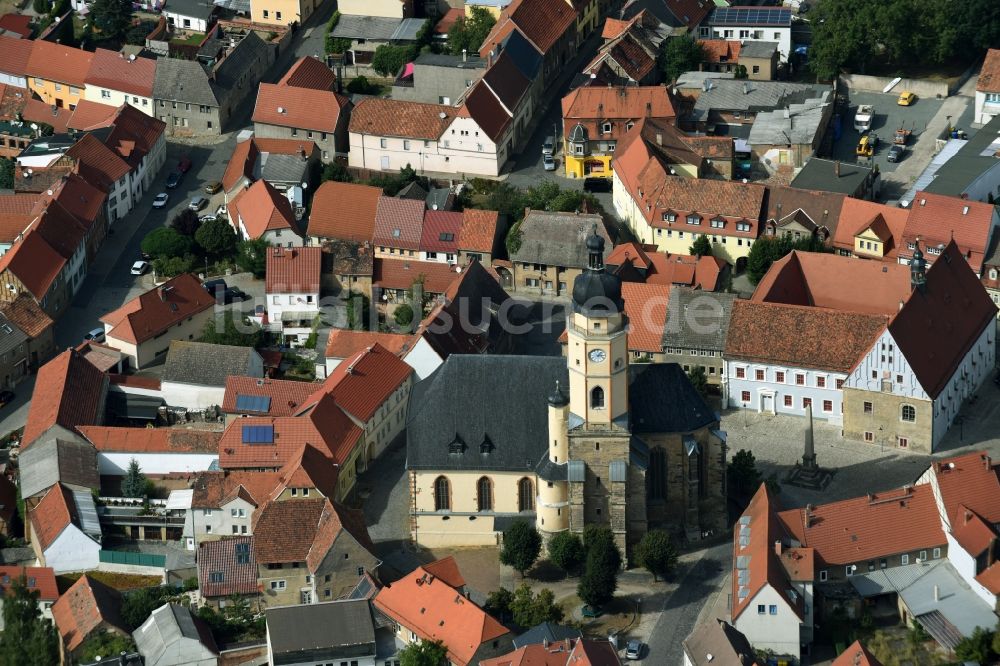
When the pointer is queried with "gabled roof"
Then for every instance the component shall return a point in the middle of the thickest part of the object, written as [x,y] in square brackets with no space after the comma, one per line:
[971,531]
[89,115]
[212,490]
[227,566]
[506,81]
[434,610]
[305,108]
[821,208]
[15,54]
[969,480]
[309,72]
[40,579]
[857,215]
[206,364]
[482,105]
[410,120]
[856,655]
[441,231]
[543,22]
[293,270]
[937,219]
[172,629]
[261,208]
[557,239]
[479,230]
[989,75]
[55,62]
[403,273]
[345,211]
[52,515]
[446,569]
[344,342]
[625,102]
[70,392]
[116,71]
[152,313]
[398,223]
[343,627]
[720,50]
[151,440]
[241,163]
[689,13]
[564,652]
[183,81]
[719,640]
[646,308]
[50,461]
[86,606]
[308,468]
[326,427]
[303,530]
[35,263]
[280,397]
[99,164]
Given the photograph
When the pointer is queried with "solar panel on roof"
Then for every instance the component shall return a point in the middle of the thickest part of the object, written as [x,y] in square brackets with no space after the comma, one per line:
[258,434]
[253,403]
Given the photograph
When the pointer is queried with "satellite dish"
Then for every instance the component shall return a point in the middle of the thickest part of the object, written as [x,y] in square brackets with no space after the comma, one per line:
[442,115]
[281,109]
[131,57]
[34,126]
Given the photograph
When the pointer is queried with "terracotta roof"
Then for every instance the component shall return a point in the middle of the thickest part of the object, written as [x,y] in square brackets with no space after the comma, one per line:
[291,106]
[99,164]
[41,579]
[799,336]
[89,114]
[308,468]
[626,102]
[35,263]
[15,55]
[284,396]
[309,72]
[345,211]
[856,655]
[614,27]
[665,268]
[646,308]
[689,12]
[303,530]
[104,358]
[543,22]
[52,515]
[441,231]
[35,110]
[835,282]
[79,197]
[969,480]
[398,223]
[449,19]
[16,23]
[241,163]
[293,270]
[990,578]
[261,208]
[55,62]
[971,531]
[720,50]
[446,569]
[157,310]
[86,606]
[116,71]
[15,214]
[362,383]
[482,105]
[214,489]
[479,230]
[566,652]
[989,75]
[221,573]
[631,57]
[401,274]
[822,209]
[71,393]
[502,29]
[151,383]
[434,610]
[938,325]
[937,219]
[856,215]
[409,120]
[343,343]
[327,428]
[876,525]
[152,440]
[134,134]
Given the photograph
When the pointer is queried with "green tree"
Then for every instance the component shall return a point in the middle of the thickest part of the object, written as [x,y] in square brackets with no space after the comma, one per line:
[134,483]
[423,653]
[251,255]
[336,171]
[742,474]
[6,174]
[389,59]
[171,266]
[104,643]
[741,72]
[566,551]
[28,638]
[976,647]
[845,33]
[679,55]
[217,238]
[166,242]
[514,239]
[224,331]
[403,314]
[600,576]
[530,609]
[498,603]
[112,17]
[521,546]
[657,553]
[359,312]
[702,247]
[186,222]
[136,35]
[768,249]
[138,604]
[41,7]
[696,375]
[470,32]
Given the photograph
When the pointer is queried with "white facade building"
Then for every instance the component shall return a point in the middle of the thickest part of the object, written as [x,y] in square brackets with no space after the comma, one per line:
[780,389]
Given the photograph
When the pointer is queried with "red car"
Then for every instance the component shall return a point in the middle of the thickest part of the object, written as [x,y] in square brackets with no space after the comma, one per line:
[184,165]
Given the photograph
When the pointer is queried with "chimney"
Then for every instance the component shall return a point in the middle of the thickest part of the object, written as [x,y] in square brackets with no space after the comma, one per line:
[937,593]
[777,548]
[836,168]
[649,108]
[746,88]
[659,139]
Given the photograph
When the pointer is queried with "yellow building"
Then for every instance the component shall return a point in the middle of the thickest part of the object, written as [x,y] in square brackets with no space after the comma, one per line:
[58,73]
[282,12]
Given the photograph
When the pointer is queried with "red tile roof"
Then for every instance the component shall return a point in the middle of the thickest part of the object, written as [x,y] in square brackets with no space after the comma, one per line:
[42,579]
[157,310]
[665,268]
[482,105]
[345,211]
[16,23]
[479,230]
[217,559]
[15,214]
[343,342]
[285,396]
[409,120]
[26,315]
[55,62]
[969,480]
[401,274]
[856,655]
[79,197]
[567,652]
[543,22]
[856,215]
[212,490]
[877,525]
[399,223]
[99,164]
[937,220]
[293,270]
[302,530]
[441,231]
[990,578]
[614,27]
[37,111]
[261,208]
[596,103]
[88,115]
[646,308]
[86,606]
[34,262]
[326,427]
[720,50]
[152,440]
[971,531]
[309,72]
[116,71]
[69,392]
[446,569]
[799,336]
[989,75]
[434,610]
[14,55]
[241,163]
[52,515]
[689,12]
[305,108]
[308,468]
[449,19]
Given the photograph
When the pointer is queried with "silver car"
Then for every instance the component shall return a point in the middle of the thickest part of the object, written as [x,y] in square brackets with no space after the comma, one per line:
[197,203]
[548,163]
[634,649]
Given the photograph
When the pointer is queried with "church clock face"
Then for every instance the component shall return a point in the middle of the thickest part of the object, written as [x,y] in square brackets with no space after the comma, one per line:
[598,355]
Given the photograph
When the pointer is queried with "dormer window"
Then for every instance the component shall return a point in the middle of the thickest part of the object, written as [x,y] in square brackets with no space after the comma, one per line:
[993,274]
[487,445]
[718,223]
[669,217]
[606,128]
[742,226]
[457,445]
[694,219]
[629,125]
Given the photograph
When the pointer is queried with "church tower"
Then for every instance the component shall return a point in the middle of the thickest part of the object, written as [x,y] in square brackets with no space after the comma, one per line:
[552,514]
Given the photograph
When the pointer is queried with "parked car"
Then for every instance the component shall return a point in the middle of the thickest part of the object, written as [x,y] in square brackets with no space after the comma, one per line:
[139,267]
[596,184]
[197,203]
[184,165]
[215,286]
[906,98]
[591,612]
[634,649]
[161,200]
[548,163]
[174,179]
[549,146]
[896,153]
[213,187]
[235,294]
[206,218]
[96,335]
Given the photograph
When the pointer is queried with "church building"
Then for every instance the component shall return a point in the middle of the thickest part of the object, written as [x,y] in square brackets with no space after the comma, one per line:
[564,441]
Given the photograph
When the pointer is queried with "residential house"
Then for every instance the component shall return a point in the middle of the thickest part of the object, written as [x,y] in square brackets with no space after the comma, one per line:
[633,262]
[398,9]
[565,652]
[366,33]
[760,60]
[283,163]
[292,292]
[804,214]
[398,228]
[853,180]
[19,108]
[869,230]
[438,78]
[52,461]
[86,202]
[517,96]
[545,631]
[856,654]
[194,375]
[189,15]
[290,13]
[480,236]
[550,26]
[343,211]
[334,631]
[596,118]
[116,79]
[718,640]
[222,504]
[720,55]
[415,283]
[252,396]
[309,72]
[288,112]
[790,136]
[936,220]
[157,450]
[57,73]
[690,156]
[425,608]
[226,569]
[310,550]
[196,98]
[19,351]
[344,343]
[628,55]
[64,531]
[972,171]
[260,211]
[751,24]
[685,14]
[695,331]
[988,88]
[173,636]
[87,607]
[69,392]
[16,25]
[144,328]
[552,252]
[37,579]
[14,65]
[347,268]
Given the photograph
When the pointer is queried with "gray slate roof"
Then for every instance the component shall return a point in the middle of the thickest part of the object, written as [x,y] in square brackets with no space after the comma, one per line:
[407,30]
[276,168]
[183,81]
[371,28]
[242,59]
[697,319]
[753,49]
[172,637]
[321,631]
[447,60]
[796,124]
[744,95]
[662,399]
[10,335]
[50,461]
[193,8]
[205,364]
[546,631]
[818,174]
[559,239]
